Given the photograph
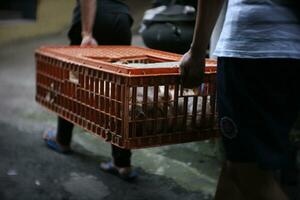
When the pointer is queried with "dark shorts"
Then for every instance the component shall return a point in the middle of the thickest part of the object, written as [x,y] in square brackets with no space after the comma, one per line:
[258,102]
[109,29]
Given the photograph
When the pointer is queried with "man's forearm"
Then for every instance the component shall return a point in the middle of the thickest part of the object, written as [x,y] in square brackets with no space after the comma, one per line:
[207,15]
[88,12]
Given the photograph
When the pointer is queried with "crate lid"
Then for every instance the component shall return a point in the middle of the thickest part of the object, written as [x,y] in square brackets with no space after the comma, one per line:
[122,60]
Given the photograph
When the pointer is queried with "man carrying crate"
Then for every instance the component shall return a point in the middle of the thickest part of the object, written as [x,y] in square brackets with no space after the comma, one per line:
[105,22]
[258,90]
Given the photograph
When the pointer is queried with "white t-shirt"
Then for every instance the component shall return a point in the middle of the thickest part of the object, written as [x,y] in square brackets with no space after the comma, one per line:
[260,29]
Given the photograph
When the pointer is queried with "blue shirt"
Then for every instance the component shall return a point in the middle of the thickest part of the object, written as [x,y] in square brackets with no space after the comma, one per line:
[260,29]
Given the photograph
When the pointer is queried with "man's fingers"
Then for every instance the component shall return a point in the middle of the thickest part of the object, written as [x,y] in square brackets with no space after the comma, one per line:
[184,74]
[192,82]
[88,41]
[191,78]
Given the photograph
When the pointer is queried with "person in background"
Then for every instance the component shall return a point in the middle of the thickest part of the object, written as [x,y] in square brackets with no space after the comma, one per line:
[103,22]
[258,90]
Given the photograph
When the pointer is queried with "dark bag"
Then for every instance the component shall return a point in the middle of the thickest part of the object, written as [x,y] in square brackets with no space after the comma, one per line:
[169,28]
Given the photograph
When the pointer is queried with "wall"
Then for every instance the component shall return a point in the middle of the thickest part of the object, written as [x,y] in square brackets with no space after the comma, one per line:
[53,16]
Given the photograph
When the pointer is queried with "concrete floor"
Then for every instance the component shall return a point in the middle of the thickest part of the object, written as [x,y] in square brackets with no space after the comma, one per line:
[29,170]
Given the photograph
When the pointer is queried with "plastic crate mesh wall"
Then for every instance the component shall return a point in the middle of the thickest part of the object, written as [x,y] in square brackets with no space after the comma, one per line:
[130,106]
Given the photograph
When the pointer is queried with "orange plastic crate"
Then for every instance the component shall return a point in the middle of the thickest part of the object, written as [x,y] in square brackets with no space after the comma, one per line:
[126,94]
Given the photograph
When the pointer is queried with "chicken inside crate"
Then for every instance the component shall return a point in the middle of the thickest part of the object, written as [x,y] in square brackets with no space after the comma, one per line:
[130,96]
[159,109]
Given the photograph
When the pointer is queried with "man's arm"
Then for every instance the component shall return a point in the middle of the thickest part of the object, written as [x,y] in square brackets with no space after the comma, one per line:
[88,10]
[193,62]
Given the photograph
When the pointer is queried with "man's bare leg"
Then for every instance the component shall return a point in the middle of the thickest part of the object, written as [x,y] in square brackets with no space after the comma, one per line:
[226,188]
[252,182]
